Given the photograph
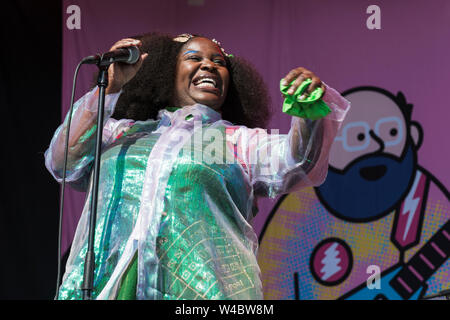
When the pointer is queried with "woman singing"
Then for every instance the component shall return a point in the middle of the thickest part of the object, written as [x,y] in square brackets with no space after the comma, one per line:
[184,158]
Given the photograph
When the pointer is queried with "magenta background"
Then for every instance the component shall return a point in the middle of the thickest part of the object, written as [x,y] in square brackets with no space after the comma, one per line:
[410,53]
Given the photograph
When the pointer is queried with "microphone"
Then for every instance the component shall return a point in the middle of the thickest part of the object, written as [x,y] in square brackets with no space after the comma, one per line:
[129,55]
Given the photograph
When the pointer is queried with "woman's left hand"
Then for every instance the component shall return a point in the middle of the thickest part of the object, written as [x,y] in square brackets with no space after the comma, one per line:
[299,75]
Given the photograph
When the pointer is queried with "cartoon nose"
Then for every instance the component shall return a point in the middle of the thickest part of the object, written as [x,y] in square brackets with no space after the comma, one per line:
[377,140]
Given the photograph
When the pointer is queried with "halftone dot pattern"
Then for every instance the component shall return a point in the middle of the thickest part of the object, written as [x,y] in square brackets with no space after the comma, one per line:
[304,232]
[280,251]
[301,223]
[436,213]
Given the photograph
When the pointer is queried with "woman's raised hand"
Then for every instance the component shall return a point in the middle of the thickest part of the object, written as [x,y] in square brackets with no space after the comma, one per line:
[299,75]
[121,73]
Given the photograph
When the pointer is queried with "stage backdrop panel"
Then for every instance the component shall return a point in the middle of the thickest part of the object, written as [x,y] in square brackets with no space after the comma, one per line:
[319,242]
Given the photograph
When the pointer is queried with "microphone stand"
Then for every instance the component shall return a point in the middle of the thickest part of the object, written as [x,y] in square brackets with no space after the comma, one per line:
[89,264]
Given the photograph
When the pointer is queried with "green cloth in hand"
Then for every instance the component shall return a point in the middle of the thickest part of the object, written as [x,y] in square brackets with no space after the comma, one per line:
[312,107]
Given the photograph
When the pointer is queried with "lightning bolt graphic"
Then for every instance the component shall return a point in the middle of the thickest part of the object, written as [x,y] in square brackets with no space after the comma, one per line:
[330,262]
[410,204]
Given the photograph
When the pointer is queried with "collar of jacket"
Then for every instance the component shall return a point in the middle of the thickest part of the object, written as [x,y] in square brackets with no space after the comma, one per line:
[196,112]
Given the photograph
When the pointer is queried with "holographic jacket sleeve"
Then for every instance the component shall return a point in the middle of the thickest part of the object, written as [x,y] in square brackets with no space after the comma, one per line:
[281,163]
[82,138]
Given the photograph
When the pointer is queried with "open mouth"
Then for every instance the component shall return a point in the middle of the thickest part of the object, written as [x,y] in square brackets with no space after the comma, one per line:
[373,173]
[207,82]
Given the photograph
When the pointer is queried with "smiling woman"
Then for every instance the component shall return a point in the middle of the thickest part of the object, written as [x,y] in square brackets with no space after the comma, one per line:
[183,161]
[202,75]
[153,88]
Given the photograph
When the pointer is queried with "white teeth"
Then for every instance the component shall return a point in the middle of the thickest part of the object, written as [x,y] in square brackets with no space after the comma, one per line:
[206,82]
[205,85]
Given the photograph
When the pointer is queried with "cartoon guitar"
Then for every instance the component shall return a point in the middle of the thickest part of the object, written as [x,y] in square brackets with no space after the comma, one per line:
[408,281]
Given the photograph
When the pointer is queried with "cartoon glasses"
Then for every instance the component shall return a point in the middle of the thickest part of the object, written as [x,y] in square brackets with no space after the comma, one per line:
[356,135]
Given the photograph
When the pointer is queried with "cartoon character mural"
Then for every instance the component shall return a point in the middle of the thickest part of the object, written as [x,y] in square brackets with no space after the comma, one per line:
[377,207]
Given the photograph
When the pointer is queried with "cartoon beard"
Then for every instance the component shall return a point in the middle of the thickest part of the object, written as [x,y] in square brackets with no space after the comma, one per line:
[370,187]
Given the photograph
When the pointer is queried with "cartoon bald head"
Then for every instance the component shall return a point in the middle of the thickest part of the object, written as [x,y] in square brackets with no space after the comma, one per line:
[373,158]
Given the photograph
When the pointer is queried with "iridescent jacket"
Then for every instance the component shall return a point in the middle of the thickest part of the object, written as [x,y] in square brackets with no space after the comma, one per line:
[179,192]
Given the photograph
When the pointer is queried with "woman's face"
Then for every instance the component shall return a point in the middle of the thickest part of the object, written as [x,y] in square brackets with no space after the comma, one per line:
[201,75]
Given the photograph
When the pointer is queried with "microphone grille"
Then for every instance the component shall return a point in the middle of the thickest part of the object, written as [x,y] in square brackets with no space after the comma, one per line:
[135,53]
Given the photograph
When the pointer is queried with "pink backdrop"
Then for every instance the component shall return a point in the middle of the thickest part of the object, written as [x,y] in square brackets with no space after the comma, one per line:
[409,54]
